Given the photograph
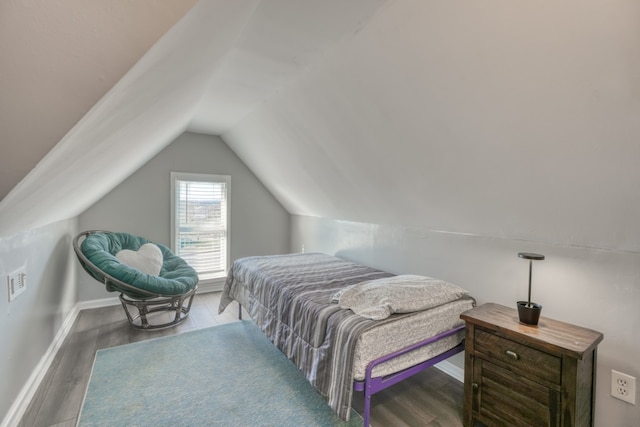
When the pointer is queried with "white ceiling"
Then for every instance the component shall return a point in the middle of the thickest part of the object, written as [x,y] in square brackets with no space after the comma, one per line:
[517,120]
[280,41]
[58,58]
[208,72]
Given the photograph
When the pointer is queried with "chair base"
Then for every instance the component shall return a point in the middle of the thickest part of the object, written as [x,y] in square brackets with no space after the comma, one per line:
[178,306]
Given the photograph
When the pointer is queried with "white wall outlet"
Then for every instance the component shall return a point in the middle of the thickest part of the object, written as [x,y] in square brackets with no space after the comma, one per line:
[16,283]
[623,387]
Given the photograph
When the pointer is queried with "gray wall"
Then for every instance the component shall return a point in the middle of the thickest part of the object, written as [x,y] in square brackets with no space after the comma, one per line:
[31,321]
[591,287]
[141,204]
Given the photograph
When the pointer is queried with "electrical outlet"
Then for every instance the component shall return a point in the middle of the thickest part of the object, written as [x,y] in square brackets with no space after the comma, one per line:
[623,387]
[16,283]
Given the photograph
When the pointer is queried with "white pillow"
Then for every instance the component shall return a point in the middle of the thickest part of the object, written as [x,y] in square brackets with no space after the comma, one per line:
[379,299]
[147,259]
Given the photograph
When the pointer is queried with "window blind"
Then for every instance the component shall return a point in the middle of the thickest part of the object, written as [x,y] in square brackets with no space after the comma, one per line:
[201,225]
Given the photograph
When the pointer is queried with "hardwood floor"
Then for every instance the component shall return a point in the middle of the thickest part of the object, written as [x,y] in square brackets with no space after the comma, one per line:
[430,399]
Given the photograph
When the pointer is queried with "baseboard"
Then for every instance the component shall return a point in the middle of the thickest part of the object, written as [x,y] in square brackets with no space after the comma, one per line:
[97,303]
[452,370]
[20,405]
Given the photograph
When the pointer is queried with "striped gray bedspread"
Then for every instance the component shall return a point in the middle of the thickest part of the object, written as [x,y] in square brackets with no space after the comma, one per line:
[289,298]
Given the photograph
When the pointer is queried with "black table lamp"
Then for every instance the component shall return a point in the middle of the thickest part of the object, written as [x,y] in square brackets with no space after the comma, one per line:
[529,312]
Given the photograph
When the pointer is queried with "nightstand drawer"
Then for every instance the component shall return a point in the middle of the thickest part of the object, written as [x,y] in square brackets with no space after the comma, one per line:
[528,361]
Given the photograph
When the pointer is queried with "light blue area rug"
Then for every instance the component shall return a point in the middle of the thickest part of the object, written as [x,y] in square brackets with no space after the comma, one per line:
[227,375]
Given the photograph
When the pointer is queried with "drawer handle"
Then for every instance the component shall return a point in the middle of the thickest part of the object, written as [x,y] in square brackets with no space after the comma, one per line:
[512,354]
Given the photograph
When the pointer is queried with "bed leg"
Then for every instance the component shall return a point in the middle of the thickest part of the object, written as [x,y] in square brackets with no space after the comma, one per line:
[367,407]
[239,311]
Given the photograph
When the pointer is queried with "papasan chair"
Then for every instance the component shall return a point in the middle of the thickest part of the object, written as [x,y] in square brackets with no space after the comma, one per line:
[148,276]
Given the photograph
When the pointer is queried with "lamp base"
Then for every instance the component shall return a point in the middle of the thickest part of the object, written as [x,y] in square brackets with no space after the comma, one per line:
[529,314]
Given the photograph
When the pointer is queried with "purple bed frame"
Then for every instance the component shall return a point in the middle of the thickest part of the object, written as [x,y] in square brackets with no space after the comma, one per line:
[372,385]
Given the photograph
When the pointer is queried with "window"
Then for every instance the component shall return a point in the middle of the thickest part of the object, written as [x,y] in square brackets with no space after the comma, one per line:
[199,222]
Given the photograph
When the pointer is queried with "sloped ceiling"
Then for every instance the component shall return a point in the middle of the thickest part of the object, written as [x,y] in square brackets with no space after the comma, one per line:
[515,120]
[220,60]
[58,58]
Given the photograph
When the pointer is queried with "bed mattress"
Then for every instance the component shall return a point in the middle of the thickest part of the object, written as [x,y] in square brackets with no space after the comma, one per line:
[404,331]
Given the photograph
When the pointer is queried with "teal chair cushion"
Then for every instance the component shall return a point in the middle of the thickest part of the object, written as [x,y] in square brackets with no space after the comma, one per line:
[176,277]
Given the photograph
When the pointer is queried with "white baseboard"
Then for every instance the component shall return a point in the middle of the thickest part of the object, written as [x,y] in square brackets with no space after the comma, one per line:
[97,303]
[452,370]
[20,405]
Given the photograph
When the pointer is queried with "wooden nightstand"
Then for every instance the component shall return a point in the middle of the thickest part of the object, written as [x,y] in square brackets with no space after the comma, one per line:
[521,375]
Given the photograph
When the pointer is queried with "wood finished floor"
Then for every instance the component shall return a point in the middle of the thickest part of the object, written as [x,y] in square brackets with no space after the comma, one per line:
[430,399]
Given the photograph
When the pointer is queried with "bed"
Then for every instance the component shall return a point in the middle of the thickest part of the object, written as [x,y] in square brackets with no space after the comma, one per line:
[348,326]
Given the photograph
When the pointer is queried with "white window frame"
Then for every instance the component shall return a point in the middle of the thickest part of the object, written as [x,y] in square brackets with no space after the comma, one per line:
[204,279]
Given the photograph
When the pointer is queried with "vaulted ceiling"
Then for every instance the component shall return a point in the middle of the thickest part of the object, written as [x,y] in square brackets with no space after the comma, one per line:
[513,120]
[59,57]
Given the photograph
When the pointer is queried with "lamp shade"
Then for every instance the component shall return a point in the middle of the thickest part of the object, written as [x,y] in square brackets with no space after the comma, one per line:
[530,256]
